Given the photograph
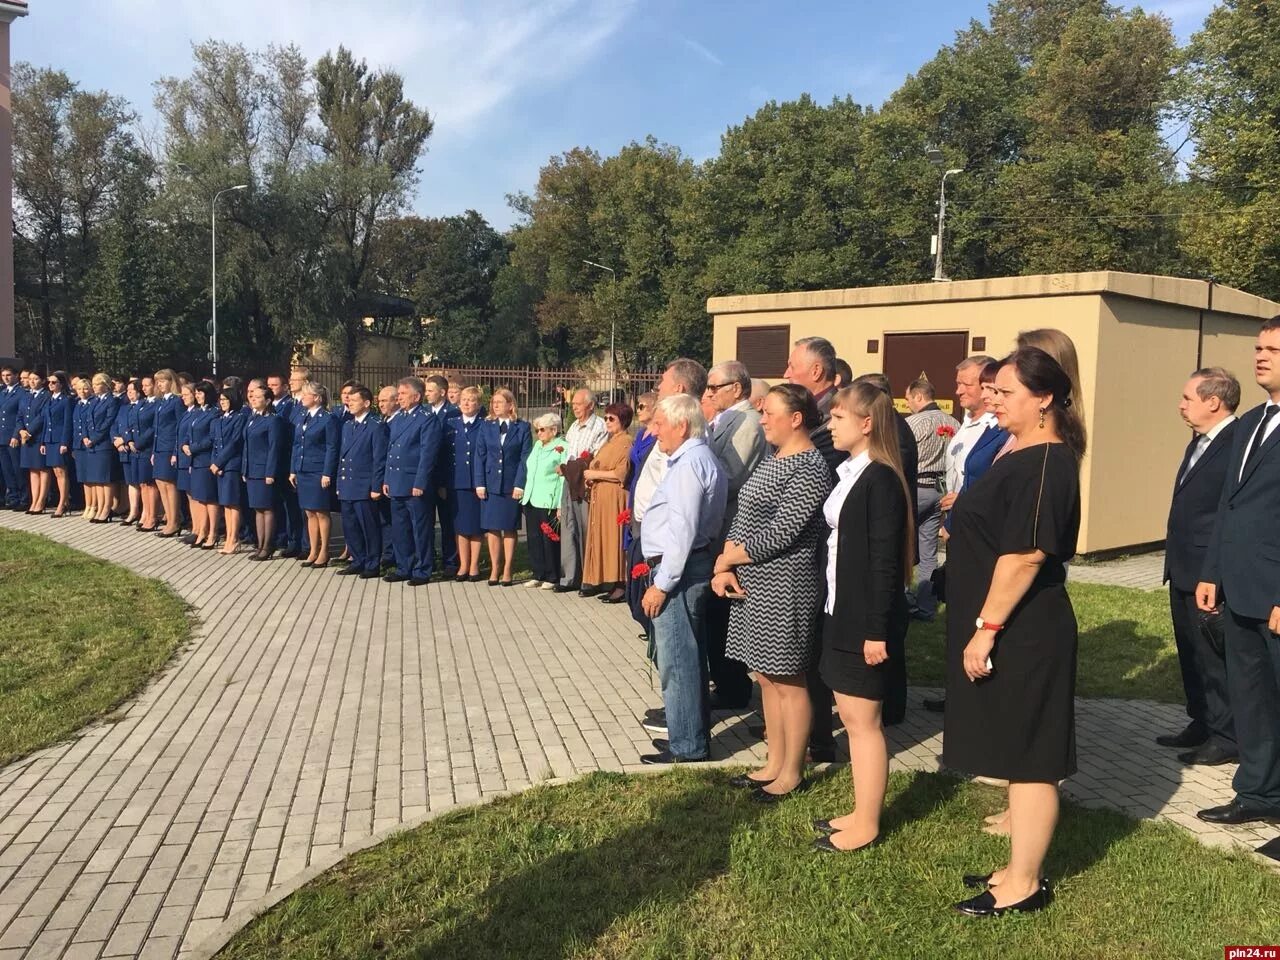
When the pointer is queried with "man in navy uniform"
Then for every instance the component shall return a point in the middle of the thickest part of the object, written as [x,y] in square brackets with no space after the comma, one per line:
[412,447]
[388,409]
[10,396]
[360,474]
[1208,407]
[437,400]
[1242,572]
[291,528]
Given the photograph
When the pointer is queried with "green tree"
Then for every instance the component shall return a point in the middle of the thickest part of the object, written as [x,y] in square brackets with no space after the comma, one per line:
[1232,103]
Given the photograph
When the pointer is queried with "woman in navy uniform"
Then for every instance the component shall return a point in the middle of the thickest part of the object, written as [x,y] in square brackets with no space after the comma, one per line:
[362,462]
[143,427]
[55,442]
[164,458]
[502,450]
[82,397]
[198,447]
[182,456]
[461,435]
[95,458]
[30,382]
[227,465]
[121,435]
[263,452]
[314,467]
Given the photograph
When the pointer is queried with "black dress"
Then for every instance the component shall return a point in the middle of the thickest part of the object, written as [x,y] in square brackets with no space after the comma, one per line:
[1019,723]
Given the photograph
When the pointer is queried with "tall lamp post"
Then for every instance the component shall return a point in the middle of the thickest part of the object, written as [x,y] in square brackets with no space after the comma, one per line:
[936,158]
[213,290]
[613,383]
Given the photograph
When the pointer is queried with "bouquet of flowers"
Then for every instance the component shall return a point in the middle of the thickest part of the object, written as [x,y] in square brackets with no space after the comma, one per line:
[946,431]
[641,569]
[551,529]
[624,518]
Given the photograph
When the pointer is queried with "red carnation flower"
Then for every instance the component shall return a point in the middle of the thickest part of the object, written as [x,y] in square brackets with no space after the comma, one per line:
[550,532]
[641,569]
[559,449]
[585,455]
[624,518]
[946,430]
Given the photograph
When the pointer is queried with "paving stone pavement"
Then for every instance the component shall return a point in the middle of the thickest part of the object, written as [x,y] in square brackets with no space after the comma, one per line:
[312,711]
[1144,571]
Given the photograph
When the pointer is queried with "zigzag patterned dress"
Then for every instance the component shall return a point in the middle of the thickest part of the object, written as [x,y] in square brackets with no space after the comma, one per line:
[780,522]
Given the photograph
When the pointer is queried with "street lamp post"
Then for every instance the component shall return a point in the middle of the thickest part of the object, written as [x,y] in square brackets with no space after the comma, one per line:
[613,384]
[942,216]
[213,287]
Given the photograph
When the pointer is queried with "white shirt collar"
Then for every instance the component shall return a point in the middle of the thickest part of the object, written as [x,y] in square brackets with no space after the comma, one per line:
[314,410]
[1218,427]
[853,466]
[361,418]
[468,420]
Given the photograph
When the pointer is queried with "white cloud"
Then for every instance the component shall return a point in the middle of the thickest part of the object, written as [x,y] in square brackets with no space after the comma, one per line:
[462,60]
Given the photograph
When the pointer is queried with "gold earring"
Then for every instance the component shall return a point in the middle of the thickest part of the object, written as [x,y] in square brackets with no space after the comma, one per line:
[1042,418]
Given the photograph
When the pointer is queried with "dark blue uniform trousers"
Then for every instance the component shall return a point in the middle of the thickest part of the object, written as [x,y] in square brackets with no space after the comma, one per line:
[11,476]
[362,533]
[448,542]
[413,537]
[291,527]
[383,508]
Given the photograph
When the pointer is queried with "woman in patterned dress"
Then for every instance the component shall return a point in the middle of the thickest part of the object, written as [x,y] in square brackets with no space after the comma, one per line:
[770,564]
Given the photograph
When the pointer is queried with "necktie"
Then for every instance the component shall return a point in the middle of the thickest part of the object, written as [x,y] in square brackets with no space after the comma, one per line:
[1267,414]
[502,428]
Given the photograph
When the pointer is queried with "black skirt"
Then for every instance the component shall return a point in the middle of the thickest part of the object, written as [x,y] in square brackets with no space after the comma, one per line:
[845,670]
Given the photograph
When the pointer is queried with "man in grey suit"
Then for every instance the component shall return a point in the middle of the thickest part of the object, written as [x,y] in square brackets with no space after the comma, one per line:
[1242,571]
[736,439]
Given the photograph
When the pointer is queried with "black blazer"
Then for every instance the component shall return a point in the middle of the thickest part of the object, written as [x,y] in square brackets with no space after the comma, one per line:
[870,602]
[1194,509]
[1244,550]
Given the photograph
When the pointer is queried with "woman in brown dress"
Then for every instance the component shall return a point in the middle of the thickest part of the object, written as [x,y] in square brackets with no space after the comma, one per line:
[606,477]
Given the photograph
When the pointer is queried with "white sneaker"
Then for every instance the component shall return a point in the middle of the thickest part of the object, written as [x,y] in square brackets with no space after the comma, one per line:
[533,584]
[548,586]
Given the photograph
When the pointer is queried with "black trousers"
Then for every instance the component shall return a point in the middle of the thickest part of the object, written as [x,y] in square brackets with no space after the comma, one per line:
[544,555]
[1253,678]
[1204,671]
[733,686]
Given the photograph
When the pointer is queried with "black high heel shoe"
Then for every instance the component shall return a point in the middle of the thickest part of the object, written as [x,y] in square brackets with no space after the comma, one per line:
[984,904]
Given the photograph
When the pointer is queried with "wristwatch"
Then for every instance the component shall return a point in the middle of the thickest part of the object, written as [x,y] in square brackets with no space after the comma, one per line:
[988,625]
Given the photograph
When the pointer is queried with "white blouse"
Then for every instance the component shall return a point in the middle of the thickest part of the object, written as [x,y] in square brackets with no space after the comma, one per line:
[849,472]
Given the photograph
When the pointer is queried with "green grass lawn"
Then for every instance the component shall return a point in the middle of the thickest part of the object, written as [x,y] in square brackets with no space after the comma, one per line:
[682,865]
[1126,645]
[81,636]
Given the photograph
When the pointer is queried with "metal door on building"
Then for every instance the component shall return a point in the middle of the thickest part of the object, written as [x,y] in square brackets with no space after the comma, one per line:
[909,356]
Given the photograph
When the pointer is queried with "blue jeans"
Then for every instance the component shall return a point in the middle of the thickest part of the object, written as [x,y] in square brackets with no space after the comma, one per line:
[680,640]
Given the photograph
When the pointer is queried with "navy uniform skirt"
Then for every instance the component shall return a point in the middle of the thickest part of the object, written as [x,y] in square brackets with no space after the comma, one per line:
[312,496]
[262,495]
[54,457]
[204,485]
[184,479]
[163,468]
[464,506]
[499,513]
[128,472]
[30,457]
[94,466]
[142,468]
[230,488]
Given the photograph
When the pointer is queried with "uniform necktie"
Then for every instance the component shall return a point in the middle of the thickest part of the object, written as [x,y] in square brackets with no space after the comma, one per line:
[1271,410]
[502,428]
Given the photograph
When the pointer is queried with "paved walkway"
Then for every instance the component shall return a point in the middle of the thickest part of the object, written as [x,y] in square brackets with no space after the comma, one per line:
[312,711]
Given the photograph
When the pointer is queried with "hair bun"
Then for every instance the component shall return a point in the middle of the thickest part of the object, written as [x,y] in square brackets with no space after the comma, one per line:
[1066,403]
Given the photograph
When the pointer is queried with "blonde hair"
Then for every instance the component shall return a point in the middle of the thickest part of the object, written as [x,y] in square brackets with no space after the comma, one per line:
[101,378]
[509,397]
[166,374]
[471,392]
[868,400]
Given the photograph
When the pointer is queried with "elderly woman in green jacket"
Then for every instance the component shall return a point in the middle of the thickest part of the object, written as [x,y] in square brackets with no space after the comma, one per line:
[542,490]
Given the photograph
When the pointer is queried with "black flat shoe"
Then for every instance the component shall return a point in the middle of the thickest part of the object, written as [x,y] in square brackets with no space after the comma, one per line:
[306,563]
[975,882]
[666,756]
[418,581]
[824,827]
[984,904]
[561,588]
[395,578]
[367,574]
[764,796]
[745,781]
[824,845]
[475,577]
[1192,735]
[460,578]
[508,583]
[611,599]
[1209,755]
[494,583]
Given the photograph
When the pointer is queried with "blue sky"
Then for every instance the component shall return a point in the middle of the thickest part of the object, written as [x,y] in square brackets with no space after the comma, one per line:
[512,82]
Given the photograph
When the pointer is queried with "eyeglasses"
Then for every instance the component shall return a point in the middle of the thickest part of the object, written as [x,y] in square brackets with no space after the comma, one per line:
[610,418]
[713,387]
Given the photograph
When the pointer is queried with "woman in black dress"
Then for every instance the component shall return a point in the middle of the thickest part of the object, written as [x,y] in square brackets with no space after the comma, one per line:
[1011,631]
[865,612]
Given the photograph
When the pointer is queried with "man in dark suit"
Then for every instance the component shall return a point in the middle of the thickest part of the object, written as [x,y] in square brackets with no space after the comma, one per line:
[436,400]
[1208,406]
[361,464]
[1242,569]
[413,443]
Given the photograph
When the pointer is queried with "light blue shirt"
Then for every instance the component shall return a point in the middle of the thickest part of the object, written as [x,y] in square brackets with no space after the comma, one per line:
[686,511]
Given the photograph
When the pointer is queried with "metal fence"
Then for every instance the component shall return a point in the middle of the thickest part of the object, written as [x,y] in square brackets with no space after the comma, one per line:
[535,389]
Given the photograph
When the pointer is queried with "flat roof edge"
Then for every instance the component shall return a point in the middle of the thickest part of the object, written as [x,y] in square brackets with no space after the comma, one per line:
[1194,294]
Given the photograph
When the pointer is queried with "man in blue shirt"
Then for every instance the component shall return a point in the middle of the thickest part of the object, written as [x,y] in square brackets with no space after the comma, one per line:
[678,536]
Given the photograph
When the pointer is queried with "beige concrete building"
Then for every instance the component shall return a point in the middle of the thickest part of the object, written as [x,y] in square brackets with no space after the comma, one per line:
[1138,337]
